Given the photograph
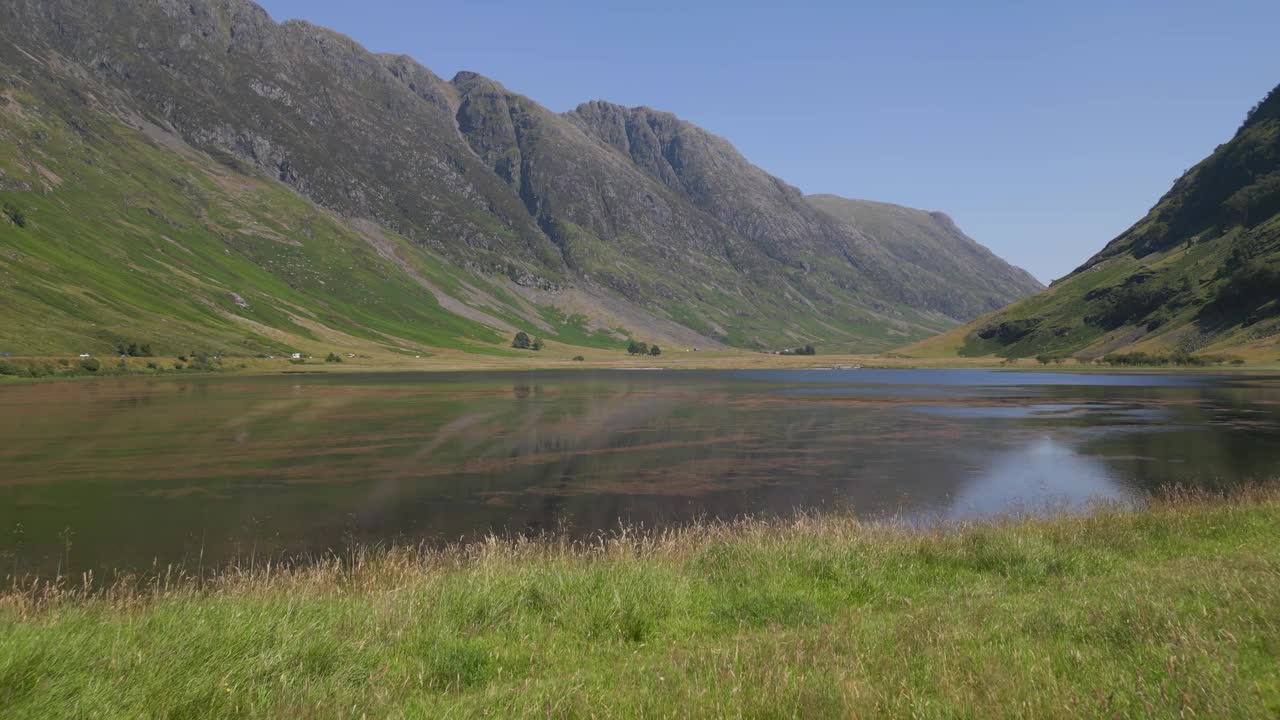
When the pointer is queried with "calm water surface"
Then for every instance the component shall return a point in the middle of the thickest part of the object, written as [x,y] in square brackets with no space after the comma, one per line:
[123,474]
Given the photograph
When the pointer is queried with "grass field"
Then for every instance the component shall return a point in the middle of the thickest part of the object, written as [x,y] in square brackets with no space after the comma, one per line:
[1168,611]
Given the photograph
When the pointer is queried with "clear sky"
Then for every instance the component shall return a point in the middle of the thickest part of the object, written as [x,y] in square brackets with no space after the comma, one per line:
[1043,128]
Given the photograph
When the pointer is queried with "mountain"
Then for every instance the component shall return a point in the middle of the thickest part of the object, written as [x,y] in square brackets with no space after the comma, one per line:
[940,254]
[194,172]
[1199,273]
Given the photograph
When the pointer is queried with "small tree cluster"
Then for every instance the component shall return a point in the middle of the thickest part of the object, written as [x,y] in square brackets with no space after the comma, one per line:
[1175,358]
[640,348]
[522,341]
[332,358]
[133,349]
[806,350]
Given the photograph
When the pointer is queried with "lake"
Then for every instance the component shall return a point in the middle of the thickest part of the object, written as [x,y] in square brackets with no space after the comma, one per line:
[132,473]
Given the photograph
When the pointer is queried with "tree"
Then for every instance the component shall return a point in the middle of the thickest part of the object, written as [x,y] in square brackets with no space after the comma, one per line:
[332,358]
[637,348]
[521,341]
[537,344]
[655,351]
[808,350]
[90,364]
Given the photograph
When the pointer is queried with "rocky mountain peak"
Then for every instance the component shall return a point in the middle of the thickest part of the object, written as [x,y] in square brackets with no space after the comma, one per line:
[642,209]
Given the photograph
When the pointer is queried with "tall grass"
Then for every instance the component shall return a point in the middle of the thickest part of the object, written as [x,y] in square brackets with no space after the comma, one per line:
[1172,610]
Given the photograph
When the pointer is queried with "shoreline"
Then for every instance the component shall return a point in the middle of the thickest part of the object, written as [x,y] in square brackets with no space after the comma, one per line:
[255,367]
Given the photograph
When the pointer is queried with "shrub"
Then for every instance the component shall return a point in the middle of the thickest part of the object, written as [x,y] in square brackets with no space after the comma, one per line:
[1177,358]
[521,341]
[42,370]
[578,358]
[152,366]
[332,358]
[15,215]
[655,351]
[537,344]
[8,368]
[90,365]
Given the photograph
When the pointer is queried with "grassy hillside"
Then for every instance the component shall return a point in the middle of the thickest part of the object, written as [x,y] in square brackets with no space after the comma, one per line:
[1165,612]
[113,233]
[1199,274]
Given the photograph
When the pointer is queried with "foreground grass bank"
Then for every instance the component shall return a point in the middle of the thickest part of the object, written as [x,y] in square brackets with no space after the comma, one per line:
[1170,611]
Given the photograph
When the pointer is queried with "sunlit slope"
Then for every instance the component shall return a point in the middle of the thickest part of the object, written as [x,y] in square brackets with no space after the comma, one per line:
[112,233]
[1200,273]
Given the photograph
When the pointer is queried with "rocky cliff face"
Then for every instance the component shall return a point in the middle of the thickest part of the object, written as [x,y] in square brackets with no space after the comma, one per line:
[606,201]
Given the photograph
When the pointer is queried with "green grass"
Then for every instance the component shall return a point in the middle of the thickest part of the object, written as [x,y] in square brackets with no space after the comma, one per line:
[574,330]
[1164,612]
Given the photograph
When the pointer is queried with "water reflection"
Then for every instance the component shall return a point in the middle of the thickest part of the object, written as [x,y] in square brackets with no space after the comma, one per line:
[1044,475]
[219,467]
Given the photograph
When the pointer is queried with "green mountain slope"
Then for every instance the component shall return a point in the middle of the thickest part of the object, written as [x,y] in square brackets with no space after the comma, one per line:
[1199,273]
[196,170]
[116,233]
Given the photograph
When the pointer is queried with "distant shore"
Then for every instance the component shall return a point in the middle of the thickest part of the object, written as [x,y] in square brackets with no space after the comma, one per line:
[55,368]
[1167,611]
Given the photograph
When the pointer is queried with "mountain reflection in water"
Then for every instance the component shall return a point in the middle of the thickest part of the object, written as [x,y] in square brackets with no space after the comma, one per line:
[125,473]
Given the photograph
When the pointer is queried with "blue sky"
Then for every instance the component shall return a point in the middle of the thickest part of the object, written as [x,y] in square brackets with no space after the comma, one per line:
[1044,129]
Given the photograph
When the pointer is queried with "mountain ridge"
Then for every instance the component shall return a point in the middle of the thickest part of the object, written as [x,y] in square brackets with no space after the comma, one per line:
[1198,273]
